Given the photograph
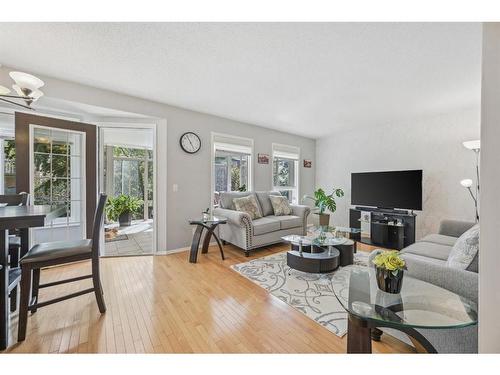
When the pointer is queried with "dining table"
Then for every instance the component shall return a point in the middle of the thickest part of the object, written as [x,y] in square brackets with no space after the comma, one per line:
[21,218]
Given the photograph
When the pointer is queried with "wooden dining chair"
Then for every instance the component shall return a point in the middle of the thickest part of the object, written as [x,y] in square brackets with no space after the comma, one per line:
[20,199]
[59,253]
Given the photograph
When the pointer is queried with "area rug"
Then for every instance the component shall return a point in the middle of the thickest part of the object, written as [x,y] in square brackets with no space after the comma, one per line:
[310,293]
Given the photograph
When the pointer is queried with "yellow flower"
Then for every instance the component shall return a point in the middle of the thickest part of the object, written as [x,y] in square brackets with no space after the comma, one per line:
[390,260]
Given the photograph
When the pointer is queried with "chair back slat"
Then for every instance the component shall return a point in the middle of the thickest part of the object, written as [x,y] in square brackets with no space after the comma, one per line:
[20,199]
[98,220]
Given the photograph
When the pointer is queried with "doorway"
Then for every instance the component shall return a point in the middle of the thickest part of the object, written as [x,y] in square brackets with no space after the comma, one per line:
[127,165]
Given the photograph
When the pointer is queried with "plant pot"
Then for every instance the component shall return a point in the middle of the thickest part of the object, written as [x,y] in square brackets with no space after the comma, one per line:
[125,219]
[324,220]
[388,282]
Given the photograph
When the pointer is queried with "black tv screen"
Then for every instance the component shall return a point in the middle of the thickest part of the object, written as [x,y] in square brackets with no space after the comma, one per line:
[394,189]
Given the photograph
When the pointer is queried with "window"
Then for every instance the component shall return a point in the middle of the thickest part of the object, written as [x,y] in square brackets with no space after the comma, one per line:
[232,164]
[286,171]
[9,168]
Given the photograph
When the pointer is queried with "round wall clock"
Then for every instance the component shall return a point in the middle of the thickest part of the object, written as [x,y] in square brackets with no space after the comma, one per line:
[190,142]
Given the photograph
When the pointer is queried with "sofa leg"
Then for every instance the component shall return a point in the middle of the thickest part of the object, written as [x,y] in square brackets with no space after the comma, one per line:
[247,253]
[224,242]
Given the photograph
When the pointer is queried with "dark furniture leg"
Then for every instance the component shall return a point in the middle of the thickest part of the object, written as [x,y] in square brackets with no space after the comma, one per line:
[358,336]
[34,290]
[376,334]
[193,254]
[4,289]
[96,279]
[206,239]
[220,247]
[247,253]
[14,262]
[24,302]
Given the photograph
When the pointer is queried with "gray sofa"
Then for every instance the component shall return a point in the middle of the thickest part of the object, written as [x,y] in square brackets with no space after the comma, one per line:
[250,234]
[426,260]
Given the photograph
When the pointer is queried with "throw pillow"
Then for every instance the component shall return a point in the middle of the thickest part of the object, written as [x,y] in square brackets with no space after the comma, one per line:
[280,205]
[465,249]
[249,205]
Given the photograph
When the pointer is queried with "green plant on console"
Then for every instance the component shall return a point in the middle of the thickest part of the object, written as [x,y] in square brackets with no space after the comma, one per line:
[122,204]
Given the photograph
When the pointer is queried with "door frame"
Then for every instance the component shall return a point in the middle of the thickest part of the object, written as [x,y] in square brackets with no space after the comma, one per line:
[23,157]
[132,125]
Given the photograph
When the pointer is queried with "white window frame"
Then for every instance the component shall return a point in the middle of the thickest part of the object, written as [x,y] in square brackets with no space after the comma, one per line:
[294,154]
[237,143]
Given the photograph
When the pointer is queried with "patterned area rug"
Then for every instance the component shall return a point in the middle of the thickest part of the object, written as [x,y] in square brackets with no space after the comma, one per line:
[310,293]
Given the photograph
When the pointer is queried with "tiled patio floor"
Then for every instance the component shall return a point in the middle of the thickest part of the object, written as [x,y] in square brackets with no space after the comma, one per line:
[139,241]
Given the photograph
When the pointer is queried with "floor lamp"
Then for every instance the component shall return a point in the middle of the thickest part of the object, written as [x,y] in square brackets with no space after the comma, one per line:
[467,183]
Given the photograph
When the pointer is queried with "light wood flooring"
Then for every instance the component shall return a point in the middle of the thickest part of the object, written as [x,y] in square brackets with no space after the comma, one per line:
[165,304]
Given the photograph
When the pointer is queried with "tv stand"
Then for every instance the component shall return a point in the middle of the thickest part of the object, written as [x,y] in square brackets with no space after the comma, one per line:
[392,229]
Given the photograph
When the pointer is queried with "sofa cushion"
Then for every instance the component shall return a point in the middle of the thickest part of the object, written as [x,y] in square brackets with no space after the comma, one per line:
[281,206]
[440,239]
[408,257]
[265,201]
[226,199]
[265,225]
[428,249]
[288,221]
[248,205]
[465,249]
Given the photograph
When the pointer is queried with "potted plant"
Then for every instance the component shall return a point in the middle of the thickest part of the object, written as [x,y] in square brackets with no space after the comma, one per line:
[322,201]
[121,208]
[389,267]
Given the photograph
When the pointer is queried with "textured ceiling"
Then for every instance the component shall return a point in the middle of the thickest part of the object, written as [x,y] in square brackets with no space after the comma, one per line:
[303,78]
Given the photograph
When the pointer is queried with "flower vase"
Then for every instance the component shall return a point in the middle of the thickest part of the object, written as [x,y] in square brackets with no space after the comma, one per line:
[389,282]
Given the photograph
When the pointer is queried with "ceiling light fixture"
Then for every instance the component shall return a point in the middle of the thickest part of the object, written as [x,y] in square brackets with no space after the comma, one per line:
[27,88]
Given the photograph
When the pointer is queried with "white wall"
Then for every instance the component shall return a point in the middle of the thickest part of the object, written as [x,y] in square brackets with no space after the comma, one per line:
[190,172]
[432,144]
[489,260]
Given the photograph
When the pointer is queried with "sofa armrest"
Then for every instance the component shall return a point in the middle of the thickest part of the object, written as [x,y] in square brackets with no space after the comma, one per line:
[462,282]
[300,210]
[454,228]
[238,218]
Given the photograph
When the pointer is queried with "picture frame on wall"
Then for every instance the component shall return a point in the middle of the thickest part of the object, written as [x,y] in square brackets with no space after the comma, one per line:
[263,158]
[307,163]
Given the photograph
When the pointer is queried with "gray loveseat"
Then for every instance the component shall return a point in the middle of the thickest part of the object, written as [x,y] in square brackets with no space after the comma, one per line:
[250,234]
[426,260]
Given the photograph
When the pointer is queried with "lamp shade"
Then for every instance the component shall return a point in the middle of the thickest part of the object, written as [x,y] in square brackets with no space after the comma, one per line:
[472,145]
[4,90]
[466,183]
[26,81]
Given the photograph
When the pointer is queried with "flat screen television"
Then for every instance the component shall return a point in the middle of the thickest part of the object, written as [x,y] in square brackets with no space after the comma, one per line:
[393,189]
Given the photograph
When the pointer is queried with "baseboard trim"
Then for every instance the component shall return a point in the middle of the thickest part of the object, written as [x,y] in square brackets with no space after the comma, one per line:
[180,249]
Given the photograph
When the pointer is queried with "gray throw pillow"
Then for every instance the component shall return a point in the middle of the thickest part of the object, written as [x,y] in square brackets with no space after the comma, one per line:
[281,206]
[465,249]
[248,205]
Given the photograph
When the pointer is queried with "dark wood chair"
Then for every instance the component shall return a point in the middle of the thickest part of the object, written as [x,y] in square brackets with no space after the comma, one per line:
[14,241]
[59,253]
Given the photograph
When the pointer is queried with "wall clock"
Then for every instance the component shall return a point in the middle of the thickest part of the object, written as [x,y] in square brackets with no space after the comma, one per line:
[190,142]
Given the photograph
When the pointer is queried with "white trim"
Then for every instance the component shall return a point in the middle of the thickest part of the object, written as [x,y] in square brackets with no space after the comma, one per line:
[101,125]
[213,142]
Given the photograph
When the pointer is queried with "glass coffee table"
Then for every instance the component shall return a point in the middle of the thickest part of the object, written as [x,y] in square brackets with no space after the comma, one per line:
[419,305]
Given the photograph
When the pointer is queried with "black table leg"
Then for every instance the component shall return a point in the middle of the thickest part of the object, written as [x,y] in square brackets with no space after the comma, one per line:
[206,240]
[193,254]
[25,241]
[4,289]
[220,246]
[359,339]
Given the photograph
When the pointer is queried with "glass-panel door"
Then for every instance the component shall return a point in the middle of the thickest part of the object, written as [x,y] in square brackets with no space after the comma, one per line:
[56,162]
[57,170]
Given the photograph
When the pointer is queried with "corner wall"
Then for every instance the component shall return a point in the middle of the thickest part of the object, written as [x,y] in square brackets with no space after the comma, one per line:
[432,144]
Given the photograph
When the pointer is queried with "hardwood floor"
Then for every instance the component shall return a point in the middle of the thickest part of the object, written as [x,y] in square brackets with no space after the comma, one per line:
[164,304]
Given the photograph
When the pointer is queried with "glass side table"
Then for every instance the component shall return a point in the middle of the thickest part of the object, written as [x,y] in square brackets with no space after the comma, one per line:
[419,305]
[209,224]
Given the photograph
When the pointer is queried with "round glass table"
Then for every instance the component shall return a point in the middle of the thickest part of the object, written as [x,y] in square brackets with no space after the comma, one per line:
[419,305]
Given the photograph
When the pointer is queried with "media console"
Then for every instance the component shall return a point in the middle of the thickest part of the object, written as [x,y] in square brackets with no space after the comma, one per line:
[392,229]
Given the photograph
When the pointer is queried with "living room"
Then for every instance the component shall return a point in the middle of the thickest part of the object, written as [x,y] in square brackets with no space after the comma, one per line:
[248,187]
